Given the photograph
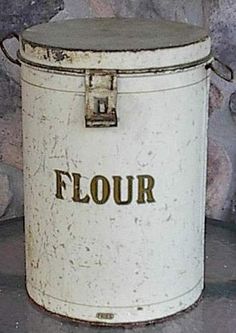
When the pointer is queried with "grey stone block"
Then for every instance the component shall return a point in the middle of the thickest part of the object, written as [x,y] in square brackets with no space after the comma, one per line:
[20,14]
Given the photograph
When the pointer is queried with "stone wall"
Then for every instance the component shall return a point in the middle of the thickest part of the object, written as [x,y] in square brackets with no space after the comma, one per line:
[219,16]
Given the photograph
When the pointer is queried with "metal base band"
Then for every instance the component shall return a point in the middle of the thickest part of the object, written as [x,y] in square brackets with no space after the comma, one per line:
[117,316]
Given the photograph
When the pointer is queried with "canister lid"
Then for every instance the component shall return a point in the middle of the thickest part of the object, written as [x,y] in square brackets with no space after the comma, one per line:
[112,43]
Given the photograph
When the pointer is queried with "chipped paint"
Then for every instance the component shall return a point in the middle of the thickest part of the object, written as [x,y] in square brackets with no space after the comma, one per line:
[113,263]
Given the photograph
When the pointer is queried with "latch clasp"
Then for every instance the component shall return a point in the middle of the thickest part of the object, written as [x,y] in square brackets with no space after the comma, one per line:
[100,98]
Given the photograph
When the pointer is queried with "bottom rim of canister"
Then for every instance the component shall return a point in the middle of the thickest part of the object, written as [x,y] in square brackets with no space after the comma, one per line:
[124,324]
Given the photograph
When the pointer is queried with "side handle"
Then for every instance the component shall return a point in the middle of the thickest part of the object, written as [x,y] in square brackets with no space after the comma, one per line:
[4,50]
[222,70]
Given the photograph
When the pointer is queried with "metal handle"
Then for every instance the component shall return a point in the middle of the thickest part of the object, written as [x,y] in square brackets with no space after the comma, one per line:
[217,71]
[4,50]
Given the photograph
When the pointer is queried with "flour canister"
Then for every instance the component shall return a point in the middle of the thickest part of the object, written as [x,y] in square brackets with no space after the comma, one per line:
[115,137]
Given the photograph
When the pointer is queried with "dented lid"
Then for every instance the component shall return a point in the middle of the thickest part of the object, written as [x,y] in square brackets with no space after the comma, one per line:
[112,43]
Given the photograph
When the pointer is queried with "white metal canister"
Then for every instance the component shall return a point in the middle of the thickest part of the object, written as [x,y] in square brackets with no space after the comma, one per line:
[115,135]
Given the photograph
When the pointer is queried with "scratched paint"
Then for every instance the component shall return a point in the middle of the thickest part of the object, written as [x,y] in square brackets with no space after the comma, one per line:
[112,263]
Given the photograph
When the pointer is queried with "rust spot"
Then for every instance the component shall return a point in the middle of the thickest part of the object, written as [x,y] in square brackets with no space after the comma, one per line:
[23,44]
[59,55]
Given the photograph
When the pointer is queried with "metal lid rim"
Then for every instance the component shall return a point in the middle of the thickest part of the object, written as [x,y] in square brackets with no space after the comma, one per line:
[205,60]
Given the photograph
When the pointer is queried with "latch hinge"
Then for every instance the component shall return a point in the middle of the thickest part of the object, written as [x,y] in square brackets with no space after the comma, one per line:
[100,98]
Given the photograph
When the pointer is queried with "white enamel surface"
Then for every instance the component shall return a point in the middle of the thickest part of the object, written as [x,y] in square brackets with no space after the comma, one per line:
[139,261]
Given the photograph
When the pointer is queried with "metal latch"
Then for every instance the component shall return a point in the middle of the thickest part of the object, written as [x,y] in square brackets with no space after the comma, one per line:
[100,98]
